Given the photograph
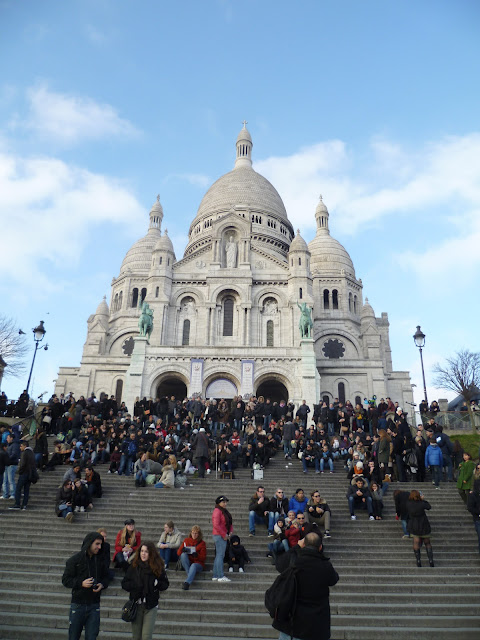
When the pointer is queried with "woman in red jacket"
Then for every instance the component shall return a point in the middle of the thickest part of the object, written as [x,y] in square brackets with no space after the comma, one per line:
[127,542]
[192,553]
[222,529]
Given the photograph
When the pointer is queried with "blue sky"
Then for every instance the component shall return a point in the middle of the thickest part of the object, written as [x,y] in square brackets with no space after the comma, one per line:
[105,103]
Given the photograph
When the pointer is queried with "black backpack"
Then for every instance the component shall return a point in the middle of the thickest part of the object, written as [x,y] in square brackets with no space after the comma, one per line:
[281,598]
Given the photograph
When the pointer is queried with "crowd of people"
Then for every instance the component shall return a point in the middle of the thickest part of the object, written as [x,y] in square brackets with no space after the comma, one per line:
[167,439]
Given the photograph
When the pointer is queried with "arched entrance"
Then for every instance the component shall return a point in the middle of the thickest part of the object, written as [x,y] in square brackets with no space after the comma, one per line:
[172,387]
[273,389]
[221,388]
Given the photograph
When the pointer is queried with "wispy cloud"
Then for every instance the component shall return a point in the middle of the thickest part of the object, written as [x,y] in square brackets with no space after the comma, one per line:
[69,119]
[96,36]
[49,211]
[195,179]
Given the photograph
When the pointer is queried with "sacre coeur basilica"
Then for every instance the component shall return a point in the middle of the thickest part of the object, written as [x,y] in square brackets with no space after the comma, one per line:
[226,318]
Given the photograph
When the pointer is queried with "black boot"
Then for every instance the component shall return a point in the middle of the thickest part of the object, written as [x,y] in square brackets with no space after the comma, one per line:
[417,556]
[430,556]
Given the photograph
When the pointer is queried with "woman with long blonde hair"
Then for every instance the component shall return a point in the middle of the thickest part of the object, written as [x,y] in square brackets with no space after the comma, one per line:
[128,540]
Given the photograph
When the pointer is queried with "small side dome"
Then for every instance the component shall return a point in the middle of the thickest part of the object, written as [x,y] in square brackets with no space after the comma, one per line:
[298,244]
[367,310]
[102,309]
[164,243]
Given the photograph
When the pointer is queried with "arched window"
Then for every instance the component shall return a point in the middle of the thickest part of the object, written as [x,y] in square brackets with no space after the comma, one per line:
[228,316]
[270,333]
[119,391]
[186,333]
[358,400]
[120,301]
[326,299]
[115,303]
[143,295]
[341,392]
[157,290]
[135,297]
[300,293]
[350,302]
[355,304]
[334,299]
[300,262]
[326,399]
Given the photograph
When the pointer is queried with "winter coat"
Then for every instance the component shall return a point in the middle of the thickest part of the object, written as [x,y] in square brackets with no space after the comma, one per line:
[401,500]
[201,550]
[433,456]
[82,566]
[383,451]
[200,446]
[63,496]
[295,505]
[259,508]
[311,620]
[26,465]
[172,539]
[277,506]
[143,585]
[118,546]
[235,552]
[168,476]
[473,505]
[293,534]
[465,475]
[418,524]
[219,525]
[315,514]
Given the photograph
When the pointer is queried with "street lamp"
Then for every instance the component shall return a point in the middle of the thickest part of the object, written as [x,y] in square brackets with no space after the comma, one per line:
[419,339]
[38,335]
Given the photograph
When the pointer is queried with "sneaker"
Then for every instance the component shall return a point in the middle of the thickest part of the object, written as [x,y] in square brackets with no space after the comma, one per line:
[69,517]
[15,506]
[437,487]
[270,534]
[77,509]
[209,471]
[214,579]
[82,509]
[371,518]
[327,534]
[241,570]
[353,517]
[24,508]
[405,537]
[251,534]
[3,498]
[224,579]
[230,570]
[185,586]
[331,471]
[109,471]
[269,555]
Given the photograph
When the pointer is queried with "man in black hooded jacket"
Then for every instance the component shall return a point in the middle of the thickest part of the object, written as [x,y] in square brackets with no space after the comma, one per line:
[86,575]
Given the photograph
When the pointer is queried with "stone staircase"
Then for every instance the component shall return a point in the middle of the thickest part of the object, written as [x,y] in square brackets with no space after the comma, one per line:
[381,592]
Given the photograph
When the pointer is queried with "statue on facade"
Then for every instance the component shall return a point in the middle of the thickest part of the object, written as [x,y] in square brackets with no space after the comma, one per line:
[145,322]
[305,324]
[231,253]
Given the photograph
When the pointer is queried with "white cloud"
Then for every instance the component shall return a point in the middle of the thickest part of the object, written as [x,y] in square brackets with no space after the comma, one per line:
[70,119]
[195,179]
[49,212]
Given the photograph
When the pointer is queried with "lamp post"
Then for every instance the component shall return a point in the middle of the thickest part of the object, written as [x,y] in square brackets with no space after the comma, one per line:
[419,339]
[38,335]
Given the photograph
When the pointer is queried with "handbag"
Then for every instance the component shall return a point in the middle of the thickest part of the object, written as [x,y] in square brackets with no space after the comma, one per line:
[129,611]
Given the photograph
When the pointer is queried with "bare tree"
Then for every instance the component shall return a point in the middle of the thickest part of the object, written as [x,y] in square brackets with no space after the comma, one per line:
[13,347]
[461,374]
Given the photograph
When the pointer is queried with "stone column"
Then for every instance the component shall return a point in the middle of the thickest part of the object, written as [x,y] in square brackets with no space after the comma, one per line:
[134,376]
[310,379]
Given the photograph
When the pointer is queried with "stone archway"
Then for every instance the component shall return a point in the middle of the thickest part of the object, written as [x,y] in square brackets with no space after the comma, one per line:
[273,389]
[172,386]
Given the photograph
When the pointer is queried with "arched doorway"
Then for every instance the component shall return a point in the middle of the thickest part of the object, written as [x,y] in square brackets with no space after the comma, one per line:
[172,387]
[221,388]
[273,389]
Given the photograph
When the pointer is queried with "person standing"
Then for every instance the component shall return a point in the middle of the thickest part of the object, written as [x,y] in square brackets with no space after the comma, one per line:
[26,469]
[13,455]
[87,577]
[465,476]
[202,452]
[419,526]
[222,528]
[314,576]
[144,580]
[473,505]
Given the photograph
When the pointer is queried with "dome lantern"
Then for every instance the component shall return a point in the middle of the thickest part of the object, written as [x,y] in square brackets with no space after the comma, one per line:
[156,215]
[321,216]
[244,148]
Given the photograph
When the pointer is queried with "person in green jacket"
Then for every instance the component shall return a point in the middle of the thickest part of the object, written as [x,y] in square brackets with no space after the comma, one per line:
[465,476]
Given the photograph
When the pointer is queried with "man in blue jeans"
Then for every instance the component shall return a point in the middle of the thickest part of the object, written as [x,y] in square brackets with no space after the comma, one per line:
[86,576]
[258,510]
[360,496]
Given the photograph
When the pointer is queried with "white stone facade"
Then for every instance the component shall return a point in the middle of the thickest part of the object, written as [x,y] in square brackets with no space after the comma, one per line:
[226,315]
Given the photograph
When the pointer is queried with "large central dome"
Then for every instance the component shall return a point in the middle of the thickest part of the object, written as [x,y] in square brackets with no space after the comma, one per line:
[242,186]
[246,191]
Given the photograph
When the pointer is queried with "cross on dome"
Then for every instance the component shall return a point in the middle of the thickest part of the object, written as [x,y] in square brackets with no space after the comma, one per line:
[244,124]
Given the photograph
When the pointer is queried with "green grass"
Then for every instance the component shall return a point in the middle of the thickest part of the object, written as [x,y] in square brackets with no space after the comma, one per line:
[469,441]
